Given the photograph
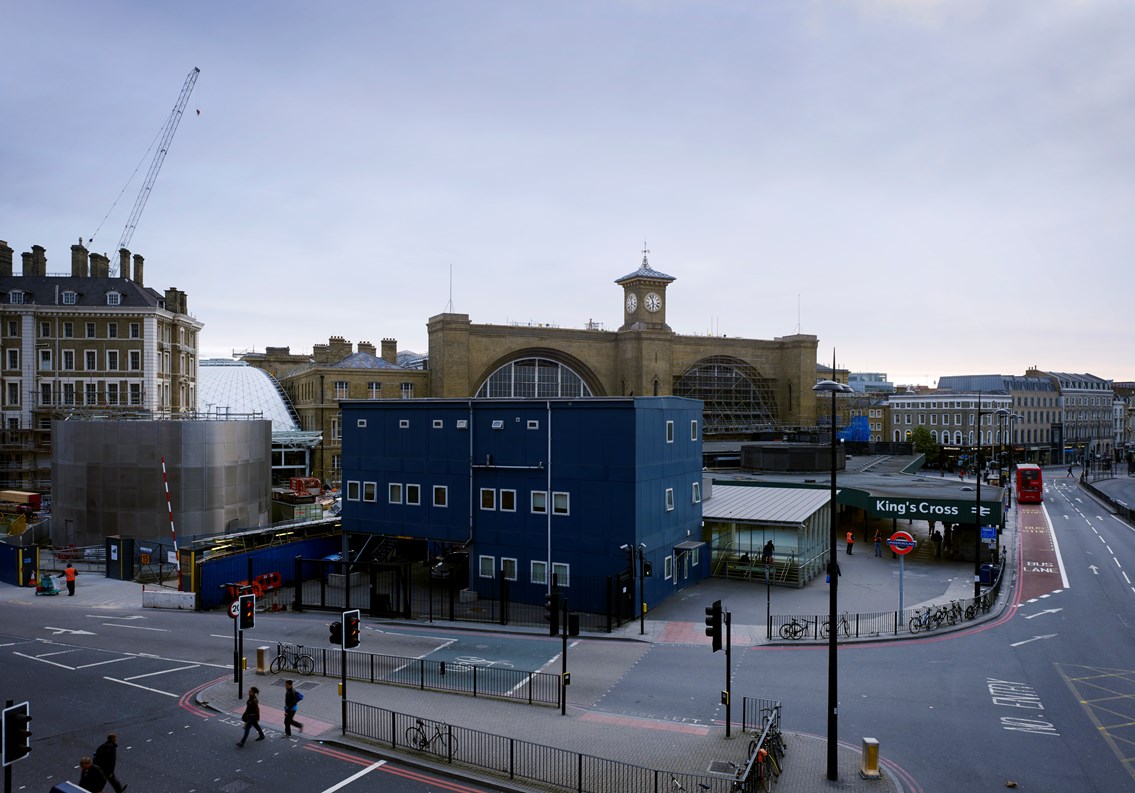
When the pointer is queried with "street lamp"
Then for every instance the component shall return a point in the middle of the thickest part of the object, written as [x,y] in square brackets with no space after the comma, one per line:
[977,512]
[1008,416]
[832,387]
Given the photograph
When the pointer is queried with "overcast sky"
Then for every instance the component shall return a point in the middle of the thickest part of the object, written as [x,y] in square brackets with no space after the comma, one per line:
[931,188]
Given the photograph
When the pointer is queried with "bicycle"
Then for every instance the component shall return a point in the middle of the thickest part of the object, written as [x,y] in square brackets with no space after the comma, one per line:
[926,620]
[842,626]
[794,630]
[292,658]
[418,737]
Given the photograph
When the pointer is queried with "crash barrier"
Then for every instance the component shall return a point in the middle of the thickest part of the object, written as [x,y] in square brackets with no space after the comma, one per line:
[463,675]
[521,760]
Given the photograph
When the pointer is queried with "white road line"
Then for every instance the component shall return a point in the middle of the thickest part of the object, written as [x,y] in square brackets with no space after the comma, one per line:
[1105,545]
[1123,523]
[1117,564]
[163,672]
[144,688]
[351,779]
[1056,547]
[1125,578]
[134,627]
[43,660]
[100,663]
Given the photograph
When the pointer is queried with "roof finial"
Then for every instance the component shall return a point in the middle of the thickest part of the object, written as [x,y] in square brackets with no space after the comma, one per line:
[645,250]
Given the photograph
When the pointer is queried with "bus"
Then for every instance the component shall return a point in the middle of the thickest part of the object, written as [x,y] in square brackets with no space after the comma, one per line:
[1030,486]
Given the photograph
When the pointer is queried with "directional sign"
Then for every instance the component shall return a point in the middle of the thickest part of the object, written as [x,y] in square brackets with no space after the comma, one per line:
[988,532]
[901,543]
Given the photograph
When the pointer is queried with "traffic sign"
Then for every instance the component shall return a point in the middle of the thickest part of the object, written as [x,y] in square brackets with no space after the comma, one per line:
[234,609]
[901,543]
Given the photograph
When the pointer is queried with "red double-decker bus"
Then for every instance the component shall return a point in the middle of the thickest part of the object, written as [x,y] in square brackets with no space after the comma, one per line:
[1030,485]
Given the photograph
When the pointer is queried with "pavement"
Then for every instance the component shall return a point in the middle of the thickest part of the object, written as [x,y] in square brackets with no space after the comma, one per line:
[867,583]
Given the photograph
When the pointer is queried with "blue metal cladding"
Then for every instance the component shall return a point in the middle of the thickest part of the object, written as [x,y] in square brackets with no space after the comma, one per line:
[604,467]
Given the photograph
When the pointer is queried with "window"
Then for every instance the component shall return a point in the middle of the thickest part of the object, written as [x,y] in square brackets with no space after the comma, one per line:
[68,330]
[45,330]
[560,574]
[697,493]
[68,362]
[438,424]
[90,330]
[403,424]
[45,360]
[135,360]
[113,298]
[336,428]
[90,360]
[394,493]
[340,389]
[508,501]
[560,503]
[413,495]
[112,360]
[112,330]
[13,359]
[540,501]
[112,393]
[361,423]
[441,496]
[91,394]
[488,498]
[15,296]
[669,499]
[668,567]
[70,298]
[694,430]
[669,432]
[508,568]
[13,394]
[336,463]
[352,491]
[498,424]
[135,394]
[695,557]
[374,390]
[407,390]
[370,491]
[68,393]
[533,424]
[135,330]
[45,393]
[13,328]
[538,572]
[486,566]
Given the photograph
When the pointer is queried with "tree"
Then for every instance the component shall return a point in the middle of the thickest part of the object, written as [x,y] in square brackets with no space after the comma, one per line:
[924,443]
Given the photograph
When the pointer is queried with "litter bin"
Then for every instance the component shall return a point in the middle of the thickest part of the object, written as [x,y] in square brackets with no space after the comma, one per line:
[67,787]
[989,573]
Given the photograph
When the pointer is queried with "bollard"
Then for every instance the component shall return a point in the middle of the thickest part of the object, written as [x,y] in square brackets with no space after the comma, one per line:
[869,764]
[262,660]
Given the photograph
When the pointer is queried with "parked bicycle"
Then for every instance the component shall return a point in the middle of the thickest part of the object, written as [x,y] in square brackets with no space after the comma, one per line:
[288,657]
[842,626]
[925,620]
[421,739]
[796,629]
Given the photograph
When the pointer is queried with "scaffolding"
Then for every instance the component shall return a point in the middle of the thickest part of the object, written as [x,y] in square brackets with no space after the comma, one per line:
[738,399]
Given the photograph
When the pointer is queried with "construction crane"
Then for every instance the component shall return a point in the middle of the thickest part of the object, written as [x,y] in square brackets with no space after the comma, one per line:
[165,137]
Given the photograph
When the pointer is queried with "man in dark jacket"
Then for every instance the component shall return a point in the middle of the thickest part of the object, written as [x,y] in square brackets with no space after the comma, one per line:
[92,778]
[106,758]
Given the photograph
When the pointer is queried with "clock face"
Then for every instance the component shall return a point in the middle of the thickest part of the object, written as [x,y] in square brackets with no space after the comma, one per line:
[632,302]
[653,302]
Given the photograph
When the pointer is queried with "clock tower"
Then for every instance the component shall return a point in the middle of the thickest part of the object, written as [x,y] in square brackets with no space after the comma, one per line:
[644,297]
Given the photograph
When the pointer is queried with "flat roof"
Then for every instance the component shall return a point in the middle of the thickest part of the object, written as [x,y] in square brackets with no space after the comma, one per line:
[785,505]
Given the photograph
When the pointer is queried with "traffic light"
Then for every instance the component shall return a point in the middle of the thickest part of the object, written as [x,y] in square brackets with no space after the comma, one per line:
[552,613]
[647,569]
[573,623]
[247,612]
[17,735]
[713,624]
[336,633]
[351,635]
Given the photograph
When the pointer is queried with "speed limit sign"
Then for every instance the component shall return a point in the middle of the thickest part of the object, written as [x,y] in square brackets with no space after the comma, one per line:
[234,609]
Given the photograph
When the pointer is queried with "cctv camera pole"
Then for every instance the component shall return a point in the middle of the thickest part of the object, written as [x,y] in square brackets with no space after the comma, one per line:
[642,590]
[728,619]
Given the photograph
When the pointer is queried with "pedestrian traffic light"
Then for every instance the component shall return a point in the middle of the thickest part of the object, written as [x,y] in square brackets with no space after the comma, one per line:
[247,612]
[336,633]
[573,623]
[17,739]
[713,624]
[351,634]
[552,612]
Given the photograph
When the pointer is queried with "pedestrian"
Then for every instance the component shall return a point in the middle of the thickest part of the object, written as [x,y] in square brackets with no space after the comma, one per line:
[106,758]
[251,715]
[766,554]
[91,777]
[1069,471]
[878,543]
[850,542]
[936,536]
[69,573]
[291,704]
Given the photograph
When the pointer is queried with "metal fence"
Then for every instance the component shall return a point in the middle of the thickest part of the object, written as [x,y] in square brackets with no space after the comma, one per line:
[516,685]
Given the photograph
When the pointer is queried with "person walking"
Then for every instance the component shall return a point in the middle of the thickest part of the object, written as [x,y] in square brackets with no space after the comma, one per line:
[70,573]
[1069,471]
[850,542]
[106,758]
[251,716]
[291,705]
[766,554]
[91,777]
[878,543]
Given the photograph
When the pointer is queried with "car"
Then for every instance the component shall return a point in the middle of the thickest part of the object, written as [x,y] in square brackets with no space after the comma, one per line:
[454,564]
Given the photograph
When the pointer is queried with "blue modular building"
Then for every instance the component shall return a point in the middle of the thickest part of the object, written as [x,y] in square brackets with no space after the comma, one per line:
[533,488]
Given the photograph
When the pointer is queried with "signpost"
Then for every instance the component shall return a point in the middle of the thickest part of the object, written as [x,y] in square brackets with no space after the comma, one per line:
[901,543]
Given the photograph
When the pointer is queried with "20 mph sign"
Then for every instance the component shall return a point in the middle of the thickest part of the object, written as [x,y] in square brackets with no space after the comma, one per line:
[901,543]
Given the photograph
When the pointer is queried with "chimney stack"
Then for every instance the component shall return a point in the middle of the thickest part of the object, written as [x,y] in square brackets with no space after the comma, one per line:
[27,264]
[322,354]
[390,350]
[124,263]
[5,259]
[138,261]
[340,348]
[79,261]
[367,347]
[39,259]
[100,265]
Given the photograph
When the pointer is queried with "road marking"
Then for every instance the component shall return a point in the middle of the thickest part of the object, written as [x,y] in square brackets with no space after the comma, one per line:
[1034,639]
[1095,570]
[144,688]
[104,617]
[100,663]
[163,672]
[1042,613]
[44,660]
[1056,548]
[352,778]
[67,630]
[135,627]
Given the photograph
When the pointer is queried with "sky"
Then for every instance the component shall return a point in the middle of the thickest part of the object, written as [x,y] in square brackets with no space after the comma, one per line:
[935,187]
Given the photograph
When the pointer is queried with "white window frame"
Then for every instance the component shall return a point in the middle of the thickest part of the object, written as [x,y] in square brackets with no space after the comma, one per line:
[135,330]
[696,495]
[541,495]
[561,574]
[492,494]
[370,491]
[508,568]
[45,360]
[67,362]
[70,297]
[354,490]
[538,572]
[394,493]
[113,298]
[669,431]
[438,424]
[501,501]
[112,330]
[693,429]
[561,503]
[668,567]
[135,360]
[413,495]
[486,566]
[533,424]
[669,499]
[112,360]
[443,502]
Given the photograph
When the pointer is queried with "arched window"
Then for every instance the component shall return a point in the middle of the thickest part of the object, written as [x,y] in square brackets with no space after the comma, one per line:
[533,378]
[736,397]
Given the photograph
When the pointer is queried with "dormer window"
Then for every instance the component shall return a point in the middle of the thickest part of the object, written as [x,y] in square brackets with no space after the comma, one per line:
[70,298]
[16,296]
[113,298]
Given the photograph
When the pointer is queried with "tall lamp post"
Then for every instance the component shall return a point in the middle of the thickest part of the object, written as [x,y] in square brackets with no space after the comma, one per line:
[977,512]
[832,387]
[1008,416]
